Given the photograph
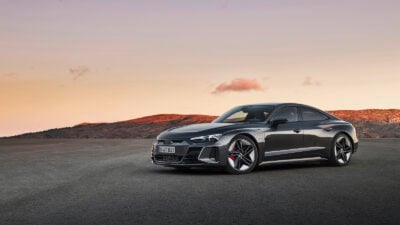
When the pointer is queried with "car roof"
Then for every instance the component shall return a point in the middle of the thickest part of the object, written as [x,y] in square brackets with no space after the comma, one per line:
[276,104]
[279,104]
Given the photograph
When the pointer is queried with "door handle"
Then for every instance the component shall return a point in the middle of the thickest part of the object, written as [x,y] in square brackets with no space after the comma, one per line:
[296,130]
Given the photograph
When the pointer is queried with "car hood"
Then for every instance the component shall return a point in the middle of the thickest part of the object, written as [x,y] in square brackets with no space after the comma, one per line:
[201,129]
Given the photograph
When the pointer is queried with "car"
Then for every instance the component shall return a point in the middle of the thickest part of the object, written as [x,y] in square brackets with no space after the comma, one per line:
[248,135]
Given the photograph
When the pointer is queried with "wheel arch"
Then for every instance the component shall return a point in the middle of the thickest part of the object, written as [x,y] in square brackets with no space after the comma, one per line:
[249,136]
[255,142]
[348,135]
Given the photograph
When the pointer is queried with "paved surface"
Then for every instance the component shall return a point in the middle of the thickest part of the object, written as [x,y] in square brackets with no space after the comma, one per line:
[113,182]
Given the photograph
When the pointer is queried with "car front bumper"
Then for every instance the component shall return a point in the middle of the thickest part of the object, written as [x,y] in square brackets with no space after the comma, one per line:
[189,154]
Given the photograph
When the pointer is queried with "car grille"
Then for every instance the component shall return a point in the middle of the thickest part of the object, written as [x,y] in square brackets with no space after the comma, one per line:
[191,157]
[168,158]
[168,142]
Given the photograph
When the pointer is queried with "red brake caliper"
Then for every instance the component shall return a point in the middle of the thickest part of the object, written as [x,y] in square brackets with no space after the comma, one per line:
[231,155]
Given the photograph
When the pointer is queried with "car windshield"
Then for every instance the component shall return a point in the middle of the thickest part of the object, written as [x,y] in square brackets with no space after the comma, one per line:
[246,114]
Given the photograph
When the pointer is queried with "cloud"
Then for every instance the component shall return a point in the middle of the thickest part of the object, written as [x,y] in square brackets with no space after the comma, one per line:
[238,85]
[78,72]
[223,4]
[310,82]
[9,74]
[265,78]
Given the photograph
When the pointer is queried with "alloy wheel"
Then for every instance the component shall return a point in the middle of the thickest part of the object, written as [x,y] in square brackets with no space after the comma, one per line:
[241,155]
[342,149]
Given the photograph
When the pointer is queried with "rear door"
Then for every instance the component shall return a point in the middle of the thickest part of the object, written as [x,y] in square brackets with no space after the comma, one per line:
[316,134]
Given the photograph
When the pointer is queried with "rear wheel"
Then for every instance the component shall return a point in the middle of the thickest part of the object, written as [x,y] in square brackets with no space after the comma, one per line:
[242,155]
[342,150]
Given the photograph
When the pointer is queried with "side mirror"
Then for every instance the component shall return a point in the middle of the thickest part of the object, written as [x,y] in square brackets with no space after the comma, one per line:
[275,122]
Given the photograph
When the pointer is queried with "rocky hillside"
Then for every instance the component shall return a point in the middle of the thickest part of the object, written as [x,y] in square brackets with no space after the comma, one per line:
[384,116]
[145,127]
[373,123]
[370,123]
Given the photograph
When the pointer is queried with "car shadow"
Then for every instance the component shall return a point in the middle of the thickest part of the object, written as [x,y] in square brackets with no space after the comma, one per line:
[193,171]
[266,167]
[291,165]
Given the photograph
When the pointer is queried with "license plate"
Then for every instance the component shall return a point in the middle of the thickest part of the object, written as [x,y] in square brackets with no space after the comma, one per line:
[166,149]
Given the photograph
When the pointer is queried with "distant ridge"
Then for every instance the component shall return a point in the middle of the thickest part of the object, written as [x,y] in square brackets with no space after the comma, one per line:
[371,115]
[370,123]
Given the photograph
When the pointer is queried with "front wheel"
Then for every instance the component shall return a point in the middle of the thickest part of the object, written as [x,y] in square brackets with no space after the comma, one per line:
[341,151]
[242,155]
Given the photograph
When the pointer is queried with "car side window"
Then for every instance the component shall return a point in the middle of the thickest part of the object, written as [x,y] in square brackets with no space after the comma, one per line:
[289,113]
[239,116]
[312,115]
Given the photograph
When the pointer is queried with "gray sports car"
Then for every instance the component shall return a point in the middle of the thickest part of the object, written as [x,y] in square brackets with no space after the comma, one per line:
[248,135]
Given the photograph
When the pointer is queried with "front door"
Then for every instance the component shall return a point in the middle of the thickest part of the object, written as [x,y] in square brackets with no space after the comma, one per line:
[286,139]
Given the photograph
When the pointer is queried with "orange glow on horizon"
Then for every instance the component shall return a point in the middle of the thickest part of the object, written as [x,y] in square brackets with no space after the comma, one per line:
[64,63]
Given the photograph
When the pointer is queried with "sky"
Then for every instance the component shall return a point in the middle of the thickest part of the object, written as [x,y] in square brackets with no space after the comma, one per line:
[64,62]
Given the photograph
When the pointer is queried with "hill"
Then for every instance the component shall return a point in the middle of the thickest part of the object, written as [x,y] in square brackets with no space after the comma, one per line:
[144,127]
[370,123]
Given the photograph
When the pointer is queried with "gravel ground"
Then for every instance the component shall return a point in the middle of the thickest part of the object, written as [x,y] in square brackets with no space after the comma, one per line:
[113,182]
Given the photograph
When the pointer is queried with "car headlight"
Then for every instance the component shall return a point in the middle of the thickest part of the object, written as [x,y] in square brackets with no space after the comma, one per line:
[206,138]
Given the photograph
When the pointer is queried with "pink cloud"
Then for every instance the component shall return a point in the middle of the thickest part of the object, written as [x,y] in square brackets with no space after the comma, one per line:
[9,74]
[238,84]
[78,72]
[310,82]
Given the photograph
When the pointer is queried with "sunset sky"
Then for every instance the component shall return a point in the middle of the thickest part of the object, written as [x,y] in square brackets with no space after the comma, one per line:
[66,62]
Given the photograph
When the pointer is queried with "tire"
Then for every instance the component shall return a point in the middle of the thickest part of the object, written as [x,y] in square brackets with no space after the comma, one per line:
[242,155]
[341,151]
